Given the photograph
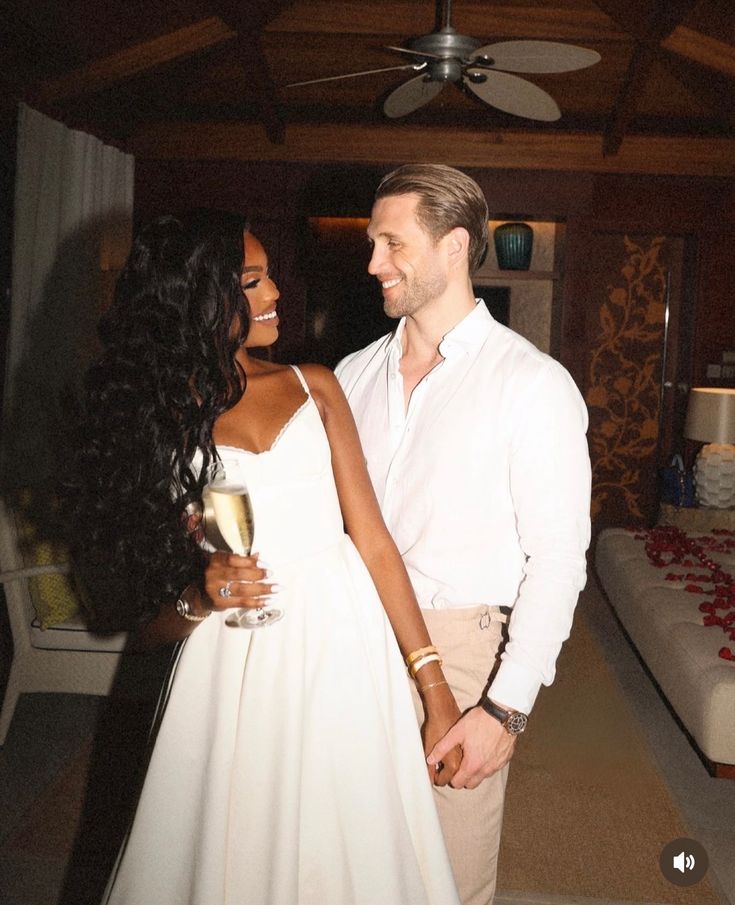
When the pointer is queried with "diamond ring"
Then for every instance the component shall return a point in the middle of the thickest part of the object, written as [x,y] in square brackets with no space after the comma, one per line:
[225,591]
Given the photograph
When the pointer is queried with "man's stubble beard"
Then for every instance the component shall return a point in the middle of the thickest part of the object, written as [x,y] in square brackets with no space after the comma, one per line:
[416,294]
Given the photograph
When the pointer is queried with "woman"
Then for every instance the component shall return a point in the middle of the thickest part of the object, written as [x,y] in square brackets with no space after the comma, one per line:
[287,768]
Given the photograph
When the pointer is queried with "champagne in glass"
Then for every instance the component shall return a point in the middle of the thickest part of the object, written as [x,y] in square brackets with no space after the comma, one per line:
[229,526]
[233,515]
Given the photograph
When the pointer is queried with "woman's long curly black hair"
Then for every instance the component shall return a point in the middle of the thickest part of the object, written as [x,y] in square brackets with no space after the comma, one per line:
[167,371]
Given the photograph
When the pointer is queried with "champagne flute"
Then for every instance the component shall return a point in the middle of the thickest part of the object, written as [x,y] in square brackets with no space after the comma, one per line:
[229,526]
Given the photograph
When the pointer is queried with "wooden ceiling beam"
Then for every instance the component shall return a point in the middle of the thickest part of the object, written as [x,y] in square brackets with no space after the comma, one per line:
[646,20]
[132,61]
[248,23]
[712,89]
[625,105]
[668,15]
[699,48]
[493,22]
[248,16]
[660,20]
[256,68]
[371,144]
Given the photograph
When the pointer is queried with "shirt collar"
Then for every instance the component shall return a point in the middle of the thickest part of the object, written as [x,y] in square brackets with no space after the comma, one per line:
[466,336]
[470,333]
[395,344]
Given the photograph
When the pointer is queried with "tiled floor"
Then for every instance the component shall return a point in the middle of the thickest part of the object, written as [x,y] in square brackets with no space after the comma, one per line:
[47,728]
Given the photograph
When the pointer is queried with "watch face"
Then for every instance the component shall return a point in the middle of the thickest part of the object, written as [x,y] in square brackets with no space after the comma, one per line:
[516,723]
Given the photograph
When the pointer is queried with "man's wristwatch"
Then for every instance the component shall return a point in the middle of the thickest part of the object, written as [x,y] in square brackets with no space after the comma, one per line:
[513,721]
[183,608]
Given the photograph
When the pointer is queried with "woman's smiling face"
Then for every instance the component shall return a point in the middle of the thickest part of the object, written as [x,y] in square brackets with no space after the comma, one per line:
[261,294]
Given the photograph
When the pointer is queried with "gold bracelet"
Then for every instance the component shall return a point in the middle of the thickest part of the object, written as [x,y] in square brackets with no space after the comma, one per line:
[423,661]
[423,688]
[421,652]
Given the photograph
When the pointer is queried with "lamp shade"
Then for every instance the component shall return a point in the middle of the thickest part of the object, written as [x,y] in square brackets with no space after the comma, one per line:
[711,415]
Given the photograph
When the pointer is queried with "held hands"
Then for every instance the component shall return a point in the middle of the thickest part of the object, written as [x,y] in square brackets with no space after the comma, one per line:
[436,727]
[248,579]
[486,748]
[440,709]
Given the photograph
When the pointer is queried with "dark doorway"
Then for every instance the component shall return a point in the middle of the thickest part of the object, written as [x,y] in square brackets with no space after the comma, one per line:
[344,308]
[497,300]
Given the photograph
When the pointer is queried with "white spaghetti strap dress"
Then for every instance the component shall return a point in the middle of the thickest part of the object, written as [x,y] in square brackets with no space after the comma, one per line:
[288,768]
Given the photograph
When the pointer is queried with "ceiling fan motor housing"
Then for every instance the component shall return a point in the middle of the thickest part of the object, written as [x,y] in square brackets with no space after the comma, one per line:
[447,44]
[454,50]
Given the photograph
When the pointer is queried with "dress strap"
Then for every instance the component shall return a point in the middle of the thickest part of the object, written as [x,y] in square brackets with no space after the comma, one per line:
[301,380]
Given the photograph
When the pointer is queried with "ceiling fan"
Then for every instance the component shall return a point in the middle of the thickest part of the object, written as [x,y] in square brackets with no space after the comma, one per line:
[447,56]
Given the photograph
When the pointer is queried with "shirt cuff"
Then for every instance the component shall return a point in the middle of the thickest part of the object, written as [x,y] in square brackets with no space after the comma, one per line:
[514,687]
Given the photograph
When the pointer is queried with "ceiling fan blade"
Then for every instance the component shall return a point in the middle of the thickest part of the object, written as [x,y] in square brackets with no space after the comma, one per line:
[514,95]
[410,96]
[353,75]
[537,56]
[415,53]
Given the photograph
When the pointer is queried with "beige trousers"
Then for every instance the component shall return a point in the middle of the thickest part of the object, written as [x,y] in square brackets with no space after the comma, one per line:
[468,640]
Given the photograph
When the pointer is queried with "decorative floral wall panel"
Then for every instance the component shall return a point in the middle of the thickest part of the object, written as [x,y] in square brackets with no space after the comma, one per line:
[624,377]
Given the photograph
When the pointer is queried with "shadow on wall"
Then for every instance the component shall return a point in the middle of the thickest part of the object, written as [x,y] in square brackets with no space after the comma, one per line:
[58,340]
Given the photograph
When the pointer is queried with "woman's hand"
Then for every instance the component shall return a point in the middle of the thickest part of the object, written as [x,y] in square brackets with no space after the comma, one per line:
[442,713]
[251,584]
[249,580]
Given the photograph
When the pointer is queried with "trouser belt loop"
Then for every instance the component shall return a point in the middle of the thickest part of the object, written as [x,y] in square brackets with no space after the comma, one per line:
[499,613]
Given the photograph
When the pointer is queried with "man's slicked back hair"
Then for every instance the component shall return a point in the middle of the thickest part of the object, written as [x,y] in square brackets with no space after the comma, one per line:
[447,198]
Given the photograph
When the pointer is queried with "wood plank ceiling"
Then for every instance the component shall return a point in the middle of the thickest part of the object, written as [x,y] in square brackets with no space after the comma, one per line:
[204,79]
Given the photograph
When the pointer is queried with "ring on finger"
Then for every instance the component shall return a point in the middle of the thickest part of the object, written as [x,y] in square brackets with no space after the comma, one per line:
[225,591]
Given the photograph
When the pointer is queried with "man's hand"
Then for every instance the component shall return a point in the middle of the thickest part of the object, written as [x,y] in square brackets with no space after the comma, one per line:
[485,744]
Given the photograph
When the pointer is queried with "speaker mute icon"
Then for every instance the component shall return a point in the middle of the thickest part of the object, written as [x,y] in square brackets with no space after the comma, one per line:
[683,862]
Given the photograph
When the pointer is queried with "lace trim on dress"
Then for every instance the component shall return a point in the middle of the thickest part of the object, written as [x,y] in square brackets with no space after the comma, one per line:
[285,427]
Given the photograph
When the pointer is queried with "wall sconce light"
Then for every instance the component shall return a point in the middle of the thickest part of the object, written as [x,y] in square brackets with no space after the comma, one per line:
[513,245]
[711,420]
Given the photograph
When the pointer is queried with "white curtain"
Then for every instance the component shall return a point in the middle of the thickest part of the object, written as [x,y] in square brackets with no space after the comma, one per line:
[72,228]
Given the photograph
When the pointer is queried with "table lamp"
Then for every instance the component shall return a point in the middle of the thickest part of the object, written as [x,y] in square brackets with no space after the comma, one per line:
[711,420]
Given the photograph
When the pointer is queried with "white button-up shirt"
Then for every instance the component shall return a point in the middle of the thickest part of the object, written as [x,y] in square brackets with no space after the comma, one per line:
[484,483]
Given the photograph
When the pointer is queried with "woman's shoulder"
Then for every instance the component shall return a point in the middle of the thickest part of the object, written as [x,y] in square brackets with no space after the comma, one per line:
[319,375]
[322,384]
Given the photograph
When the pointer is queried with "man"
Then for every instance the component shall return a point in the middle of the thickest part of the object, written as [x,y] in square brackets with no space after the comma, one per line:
[475,443]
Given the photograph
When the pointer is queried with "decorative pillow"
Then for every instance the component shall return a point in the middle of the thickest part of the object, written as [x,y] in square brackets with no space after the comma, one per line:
[52,595]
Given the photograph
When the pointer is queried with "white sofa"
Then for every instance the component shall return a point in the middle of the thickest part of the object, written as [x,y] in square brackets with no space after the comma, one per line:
[665,624]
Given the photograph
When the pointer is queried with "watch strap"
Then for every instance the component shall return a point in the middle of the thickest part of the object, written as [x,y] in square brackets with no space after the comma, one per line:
[513,721]
[498,713]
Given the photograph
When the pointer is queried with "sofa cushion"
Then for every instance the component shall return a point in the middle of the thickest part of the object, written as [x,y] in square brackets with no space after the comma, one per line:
[665,623]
